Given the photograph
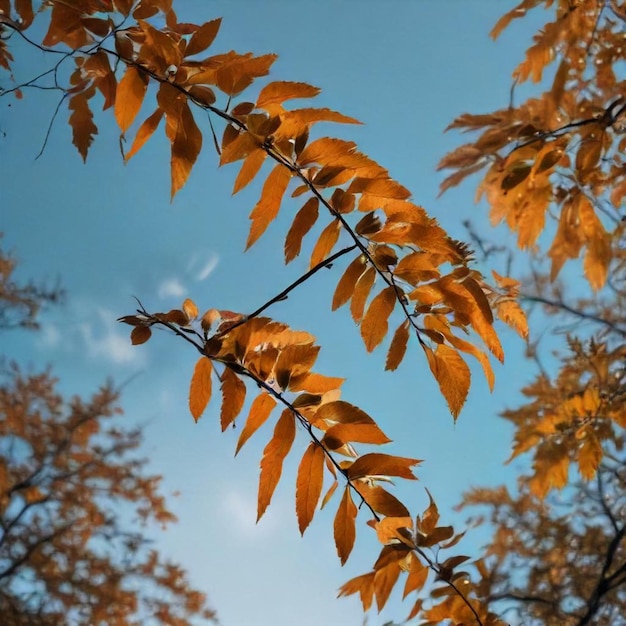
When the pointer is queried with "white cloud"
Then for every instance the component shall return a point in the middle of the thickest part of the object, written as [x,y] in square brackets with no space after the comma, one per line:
[106,339]
[49,337]
[171,288]
[239,511]
[202,269]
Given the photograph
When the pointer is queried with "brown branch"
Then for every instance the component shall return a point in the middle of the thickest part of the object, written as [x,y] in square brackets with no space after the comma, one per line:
[576,312]
[285,292]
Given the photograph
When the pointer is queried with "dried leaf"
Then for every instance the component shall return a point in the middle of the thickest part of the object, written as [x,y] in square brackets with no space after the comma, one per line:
[233,396]
[452,375]
[259,412]
[361,292]
[397,348]
[81,121]
[140,334]
[309,484]
[268,206]
[277,92]
[185,148]
[364,586]
[203,37]
[302,223]
[377,464]
[144,132]
[201,387]
[347,282]
[131,91]
[325,243]
[374,325]
[250,168]
[273,456]
[344,526]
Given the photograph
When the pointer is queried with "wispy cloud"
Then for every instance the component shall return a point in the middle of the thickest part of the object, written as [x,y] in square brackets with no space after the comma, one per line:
[105,339]
[201,267]
[171,288]
[239,510]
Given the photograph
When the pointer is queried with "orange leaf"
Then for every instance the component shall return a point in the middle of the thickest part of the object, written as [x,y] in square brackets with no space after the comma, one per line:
[140,334]
[268,206]
[341,434]
[277,92]
[325,243]
[309,484]
[380,500]
[250,168]
[203,37]
[259,412]
[511,313]
[144,132]
[397,349]
[388,530]
[190,309]
[302,223]
[329,494]
[129,98]
[273,456]
[364,585]
[200,388]
[377,464]
[361,292]
[348,281]
[185,148]
[374,325]
[233,395]
[416,579]
[452,375]
[589,454]
[344,526]
[384,581]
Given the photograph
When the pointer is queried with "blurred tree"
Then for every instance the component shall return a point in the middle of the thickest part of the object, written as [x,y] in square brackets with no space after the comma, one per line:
[76,503]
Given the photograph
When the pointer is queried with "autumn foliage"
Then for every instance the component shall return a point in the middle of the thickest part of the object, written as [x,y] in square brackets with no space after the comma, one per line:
[407,283]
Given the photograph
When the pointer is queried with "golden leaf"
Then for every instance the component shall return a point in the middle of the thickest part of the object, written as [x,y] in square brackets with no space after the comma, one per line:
[418,573]
[363,585]
[361,292]
[302,223]
[377,464]
[397,348]
[328,238]
[384,581]
[273,456]
[277,92]
[344,526]
[347,282]
[589,454]
[144,132]
[374,325]
[268,206]
[203,37]
[511,313]
[309,484]
[380,500]
[250,168]
[201,387]
[259,412]
[190,309]
[452,375]
[129,98]
[185,148]
[233,396]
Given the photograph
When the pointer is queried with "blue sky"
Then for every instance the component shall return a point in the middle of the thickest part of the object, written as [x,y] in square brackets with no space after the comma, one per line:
[405,69]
